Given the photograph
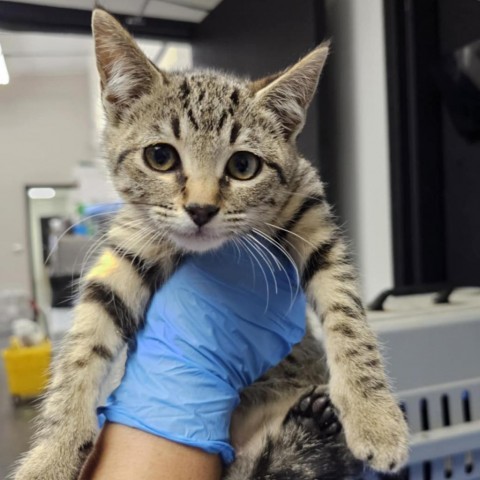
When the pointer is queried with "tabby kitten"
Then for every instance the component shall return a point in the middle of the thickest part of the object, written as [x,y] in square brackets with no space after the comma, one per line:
[200,159]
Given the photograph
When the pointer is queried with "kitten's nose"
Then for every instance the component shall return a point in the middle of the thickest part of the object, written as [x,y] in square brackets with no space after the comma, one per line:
[201,214]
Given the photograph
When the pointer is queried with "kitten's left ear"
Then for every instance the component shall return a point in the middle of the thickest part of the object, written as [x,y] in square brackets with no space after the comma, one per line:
[289,93]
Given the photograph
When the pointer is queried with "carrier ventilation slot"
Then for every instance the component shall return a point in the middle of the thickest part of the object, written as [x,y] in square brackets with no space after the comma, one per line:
[445,407]
[427,470]
[445,410]
[469,462]
[424,420]
[467,412]
[448,469]
[467,417]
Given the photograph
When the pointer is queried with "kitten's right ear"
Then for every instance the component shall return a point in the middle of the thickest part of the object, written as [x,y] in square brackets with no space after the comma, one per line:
[125,72]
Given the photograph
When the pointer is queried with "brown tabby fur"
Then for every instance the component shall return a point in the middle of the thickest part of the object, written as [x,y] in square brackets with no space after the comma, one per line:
[207,116]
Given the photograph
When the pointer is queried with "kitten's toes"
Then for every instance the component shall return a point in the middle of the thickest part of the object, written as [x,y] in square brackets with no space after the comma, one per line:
[316,413]
[376,433]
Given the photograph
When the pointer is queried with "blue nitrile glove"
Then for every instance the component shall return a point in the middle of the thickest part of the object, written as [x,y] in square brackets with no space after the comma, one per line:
[211,330]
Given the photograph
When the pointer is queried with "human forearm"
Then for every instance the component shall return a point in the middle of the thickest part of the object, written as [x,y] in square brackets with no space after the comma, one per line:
[124,453]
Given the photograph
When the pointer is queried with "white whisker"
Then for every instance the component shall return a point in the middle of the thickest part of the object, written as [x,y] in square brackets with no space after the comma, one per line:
[267,261]
[292,233]
[237,259]
[90,252]
[303,195]
[281,248]
[101,240]
[249,257]
[280,266]
[261,268]
[68,230]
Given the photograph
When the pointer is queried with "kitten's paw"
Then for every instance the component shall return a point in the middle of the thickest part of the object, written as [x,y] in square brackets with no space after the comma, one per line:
[376,432]
[316,413]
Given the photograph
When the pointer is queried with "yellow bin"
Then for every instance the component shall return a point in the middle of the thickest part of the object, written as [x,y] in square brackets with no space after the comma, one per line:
[27,368]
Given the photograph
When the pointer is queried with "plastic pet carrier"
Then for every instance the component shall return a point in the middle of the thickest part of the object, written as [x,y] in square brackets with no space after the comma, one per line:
[433,357]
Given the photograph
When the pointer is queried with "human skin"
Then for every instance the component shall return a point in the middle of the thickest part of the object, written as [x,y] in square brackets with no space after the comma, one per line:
[124,453]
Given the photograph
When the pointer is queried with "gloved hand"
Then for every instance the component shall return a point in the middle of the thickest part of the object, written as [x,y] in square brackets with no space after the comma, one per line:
[220,322]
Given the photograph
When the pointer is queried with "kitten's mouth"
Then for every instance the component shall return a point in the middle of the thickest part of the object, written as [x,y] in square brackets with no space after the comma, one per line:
[197,241]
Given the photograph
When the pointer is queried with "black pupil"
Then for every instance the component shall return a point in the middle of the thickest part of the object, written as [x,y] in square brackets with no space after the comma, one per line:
[162,155]
[242,163]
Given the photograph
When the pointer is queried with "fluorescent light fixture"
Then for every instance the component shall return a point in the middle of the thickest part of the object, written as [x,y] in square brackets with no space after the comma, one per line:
[41,193]
[4,76]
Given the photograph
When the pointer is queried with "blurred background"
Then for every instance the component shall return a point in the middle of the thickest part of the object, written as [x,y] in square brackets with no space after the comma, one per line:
[394,131]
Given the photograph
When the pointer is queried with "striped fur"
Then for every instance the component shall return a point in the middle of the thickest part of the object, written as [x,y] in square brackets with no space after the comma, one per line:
[206,117]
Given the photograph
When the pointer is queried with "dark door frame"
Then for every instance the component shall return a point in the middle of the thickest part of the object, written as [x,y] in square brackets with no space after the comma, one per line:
[416,156]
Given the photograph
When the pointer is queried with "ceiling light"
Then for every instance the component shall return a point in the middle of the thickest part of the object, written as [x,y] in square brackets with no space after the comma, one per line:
[4,76]
[41,193]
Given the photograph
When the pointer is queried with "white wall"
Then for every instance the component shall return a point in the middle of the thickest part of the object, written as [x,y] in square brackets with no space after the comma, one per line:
[359,71]
[44,131]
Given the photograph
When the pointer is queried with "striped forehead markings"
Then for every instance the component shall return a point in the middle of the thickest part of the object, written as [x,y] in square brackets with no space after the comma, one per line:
[184,90]
[234,97]
[221,121]
[176,127]
[184,94]
[234,132]
[192,119]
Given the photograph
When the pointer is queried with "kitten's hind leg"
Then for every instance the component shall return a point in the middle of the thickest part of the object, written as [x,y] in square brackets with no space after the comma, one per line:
[316,413]
[308,445]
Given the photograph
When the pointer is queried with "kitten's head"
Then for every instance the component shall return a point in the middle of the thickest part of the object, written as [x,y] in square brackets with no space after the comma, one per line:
[204,156]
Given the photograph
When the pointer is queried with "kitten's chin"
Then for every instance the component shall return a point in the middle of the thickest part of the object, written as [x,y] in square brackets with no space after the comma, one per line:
[197,243]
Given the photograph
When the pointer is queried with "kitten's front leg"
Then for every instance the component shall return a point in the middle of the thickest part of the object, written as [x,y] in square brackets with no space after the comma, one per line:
[111,306]
[67,425]
[374,426]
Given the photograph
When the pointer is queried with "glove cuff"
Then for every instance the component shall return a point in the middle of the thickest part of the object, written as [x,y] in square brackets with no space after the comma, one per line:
[116,415]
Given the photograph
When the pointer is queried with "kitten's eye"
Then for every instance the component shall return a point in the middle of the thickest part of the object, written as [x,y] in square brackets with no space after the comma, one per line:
[161,157]
[243,166]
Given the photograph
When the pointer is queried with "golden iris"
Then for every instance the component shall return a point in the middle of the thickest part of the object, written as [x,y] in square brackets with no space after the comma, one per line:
[161,157]
[243,166]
